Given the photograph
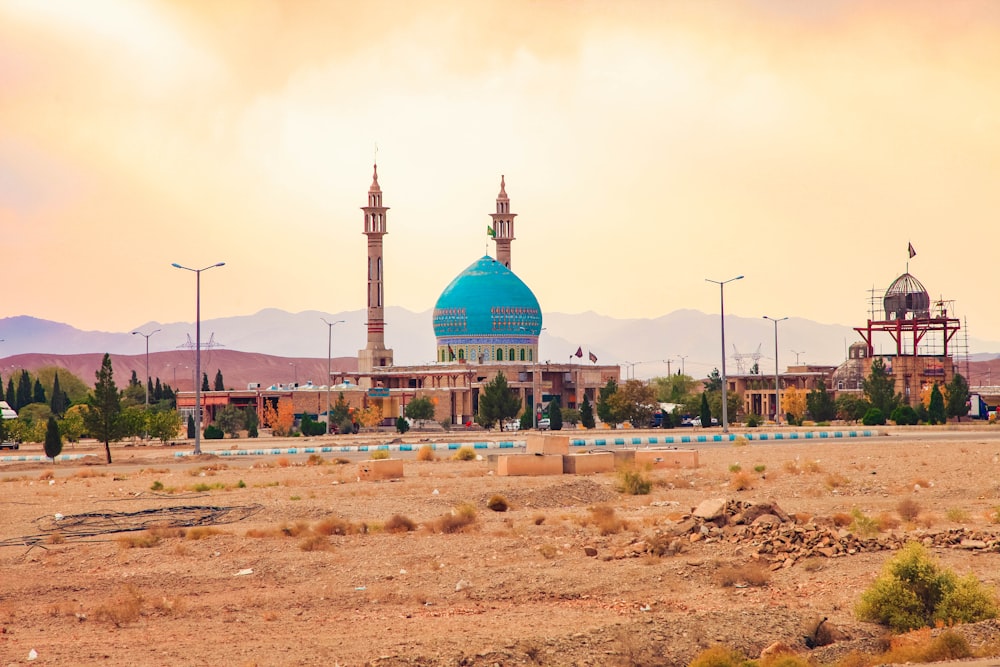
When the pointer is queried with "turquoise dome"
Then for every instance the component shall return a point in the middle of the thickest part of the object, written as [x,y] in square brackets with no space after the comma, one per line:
[487,304]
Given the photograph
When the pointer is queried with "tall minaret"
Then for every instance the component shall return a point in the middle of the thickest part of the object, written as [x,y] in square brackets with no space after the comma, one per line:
[503,226]
[375,353]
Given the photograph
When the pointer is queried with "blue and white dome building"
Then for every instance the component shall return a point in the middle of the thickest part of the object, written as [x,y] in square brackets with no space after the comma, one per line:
[487,315]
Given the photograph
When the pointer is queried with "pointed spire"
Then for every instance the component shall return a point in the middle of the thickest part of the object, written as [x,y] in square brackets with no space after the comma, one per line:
[375,187]
[503,192]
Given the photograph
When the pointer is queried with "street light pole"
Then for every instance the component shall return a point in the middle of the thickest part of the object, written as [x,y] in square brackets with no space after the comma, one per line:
[329,370]
[146,336]
[722,325]
[197,348]
[777,376]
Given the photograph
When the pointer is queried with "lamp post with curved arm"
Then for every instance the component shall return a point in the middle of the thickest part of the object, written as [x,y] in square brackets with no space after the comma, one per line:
[722,321]
[197,348]
[777,376]
[146,336]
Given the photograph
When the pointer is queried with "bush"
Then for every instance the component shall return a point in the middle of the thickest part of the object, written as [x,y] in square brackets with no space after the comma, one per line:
[464,453]
[398,523]
[402,426]
[379,454]
[873,417]
[719,656]
[633,482]
[913,592]
[753,421]
[497,503]
[213,432]
[426,453]
[904,415]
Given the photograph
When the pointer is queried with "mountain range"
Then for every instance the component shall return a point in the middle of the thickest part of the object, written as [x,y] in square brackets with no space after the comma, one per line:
[293,346]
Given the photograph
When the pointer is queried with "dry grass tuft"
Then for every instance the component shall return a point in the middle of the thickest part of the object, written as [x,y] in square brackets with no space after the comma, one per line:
[958,515]
[143,540]
[497,503]
[741,481]
[426,453]
[46,476]
[842,519]
[315,460]
[315,543]
[548,551]
[336,525]
[398,523]
[125,607]
[464,453]
[282,462]
[886,521]
[605,519]
[86,473]
[380,454]
[813,467]
[748,574]
[835,480]
[458,520]
[908,509]
[792,467]
[201,532]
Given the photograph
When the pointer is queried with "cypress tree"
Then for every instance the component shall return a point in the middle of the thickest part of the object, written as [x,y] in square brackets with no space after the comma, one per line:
[219,384]
[190,433]
[58,404]
[38,393]
[150,390]
[3,396]
[586,413]
[134,380]
[704,412]
[935,411]
[11,394]
[157,392]
[53,441]
[555,414]
[204,382]
[23,390]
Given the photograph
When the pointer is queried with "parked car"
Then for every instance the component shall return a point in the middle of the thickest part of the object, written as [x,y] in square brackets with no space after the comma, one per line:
[543,424]
[9,445]
[697,421]
[512,425]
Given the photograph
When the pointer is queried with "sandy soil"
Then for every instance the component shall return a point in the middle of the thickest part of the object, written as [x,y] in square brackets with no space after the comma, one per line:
[268,578]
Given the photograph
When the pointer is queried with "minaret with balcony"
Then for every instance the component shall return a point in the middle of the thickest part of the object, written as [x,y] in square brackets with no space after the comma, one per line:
[503,226]
[375,354]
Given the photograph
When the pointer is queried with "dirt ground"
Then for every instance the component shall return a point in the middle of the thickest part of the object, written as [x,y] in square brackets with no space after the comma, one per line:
[287,561]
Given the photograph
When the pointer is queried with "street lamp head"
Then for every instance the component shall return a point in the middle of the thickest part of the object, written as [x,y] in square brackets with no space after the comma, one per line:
[177,266]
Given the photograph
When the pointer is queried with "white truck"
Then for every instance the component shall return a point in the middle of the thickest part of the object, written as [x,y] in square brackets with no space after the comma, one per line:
[7,412]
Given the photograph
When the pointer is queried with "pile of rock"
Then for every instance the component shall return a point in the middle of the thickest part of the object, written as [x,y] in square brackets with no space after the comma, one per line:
[771,535]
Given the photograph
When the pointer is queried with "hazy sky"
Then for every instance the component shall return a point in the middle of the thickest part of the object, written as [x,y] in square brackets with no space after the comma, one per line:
[646,146]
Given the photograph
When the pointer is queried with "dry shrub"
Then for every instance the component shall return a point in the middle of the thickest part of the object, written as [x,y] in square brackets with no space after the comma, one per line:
[173,606]
[336,526]
[927,520]
[748,574]
[282,462]
[380,454]
[201,532]
[295,530]
[55,538]
[719,656]
[457,520]
[740,441]
[87,472]
[813,466]
[464,453]
[143,540]
[835,480]
[664,545]
[167,532]
[908,509]
[538,519]
[497,503]
[886,521]
[125,607]
[315,543]
[633,482]
[957,515]
[398,523]
[426,453]
[921,646]
[842,519]
[741,481]
[548,551]
[604,518]
[46,476]
[802,517]
[792,467]
[315,460]
[993,515]
[813,564]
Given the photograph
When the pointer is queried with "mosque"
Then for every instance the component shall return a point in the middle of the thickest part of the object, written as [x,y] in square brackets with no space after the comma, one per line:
[486,321]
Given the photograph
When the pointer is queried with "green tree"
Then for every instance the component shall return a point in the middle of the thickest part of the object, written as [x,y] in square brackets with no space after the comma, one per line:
[958,397]
[38,393]
[497,403]
[11,393]
[673,388]
[904,415]
[420,409]
[4,431]
[157,392]
[879,388]
[820,403]
[605,409]
[23,390]
[72,425]
[58,401]
[133,421]
[635,402]
[252,422]
[851,407]
[53,440]
[704,412]
[231,420]
[204,382]
[571,416]
[587,413]
[190,427]
[219,384]
[164,425]
[555,414]
[341,411]
[3,396]
[103,417]
[402,426]
[73,388]
[714,381]
[527,420]
[935,411]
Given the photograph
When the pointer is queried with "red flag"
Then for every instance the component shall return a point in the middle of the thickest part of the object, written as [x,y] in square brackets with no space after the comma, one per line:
[911,250]
[451,353]
[579,352]
[593,357]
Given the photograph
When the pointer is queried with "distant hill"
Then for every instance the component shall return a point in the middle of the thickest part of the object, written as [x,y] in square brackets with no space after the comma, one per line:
[279,340]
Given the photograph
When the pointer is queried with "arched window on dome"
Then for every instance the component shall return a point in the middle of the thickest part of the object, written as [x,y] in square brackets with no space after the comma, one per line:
[531,354]
[499,354]
[510,354]
[522,354]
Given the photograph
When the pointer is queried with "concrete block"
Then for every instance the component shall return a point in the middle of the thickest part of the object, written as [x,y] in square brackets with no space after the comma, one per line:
[589,464]
[666,458]
[529,464]
[373,471]
[537,443]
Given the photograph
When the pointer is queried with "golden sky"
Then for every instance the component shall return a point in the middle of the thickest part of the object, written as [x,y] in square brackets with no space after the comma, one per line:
[646,146]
